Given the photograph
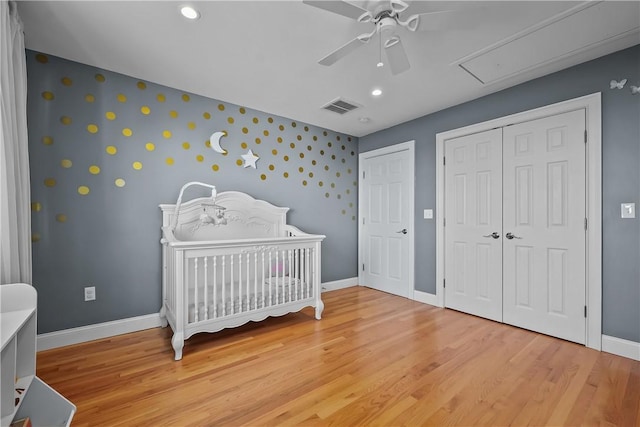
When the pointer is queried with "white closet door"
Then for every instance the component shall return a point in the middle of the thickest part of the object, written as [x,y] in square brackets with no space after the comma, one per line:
[473,212]
[544,208]
[387,230]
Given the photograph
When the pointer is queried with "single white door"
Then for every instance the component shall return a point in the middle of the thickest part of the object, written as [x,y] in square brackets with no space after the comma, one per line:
[473,229]
[386,219]
[544,225]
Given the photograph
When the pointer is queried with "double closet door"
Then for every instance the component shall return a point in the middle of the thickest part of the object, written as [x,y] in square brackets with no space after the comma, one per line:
[515,237]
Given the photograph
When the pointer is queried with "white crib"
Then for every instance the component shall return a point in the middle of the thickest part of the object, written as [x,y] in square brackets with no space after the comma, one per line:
[246,267]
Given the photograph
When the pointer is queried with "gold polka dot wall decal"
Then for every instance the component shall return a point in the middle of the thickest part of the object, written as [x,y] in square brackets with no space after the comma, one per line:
[326,167]
[110,115]
[119,182]
[206,116]
[329,144]
[338,137]
[215,168]
[207,143]
[313,162]
[270,119]
[220,107]
[66,163]
[173,114]
[348,191]
[326,195]
[245,130]
[304,182]
[127,132]
[65,120]
[49,96]
[239,162]
[333,185]
[200,158]
[281,127]
[43,59]
[255,120]
[349,139]
[322,152]
[339,196]
[141,85]
[242,110]
[315,138]
[324,133]
[286,158]
[293,124]
[169,161]
[338,174]
[47,140]
[145,110]
[35,237]
[286,174]
[230,120]
[343,148]
[83,190]
[186,145]
[94,170]
[185,97]
[271,167]
[306,128]
[320,184]
[279,140]
[265,133]
[333,157]
[349,171]
[111,150]
[300,169]
[161,98]
[343,211]
[353,153]
[263,177]
[100,78]
[274,152]
[61,218]
[149,146]
[137,165]
[36,207]
[292,145]
[309,148]
[166,134]
[299,137]
[244,145]
[310,174]
[66,81]
[91,128]
[302,155]
[191,125]
[89,98]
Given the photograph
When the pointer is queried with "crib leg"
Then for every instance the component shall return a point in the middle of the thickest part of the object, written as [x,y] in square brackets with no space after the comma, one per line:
[319,309]
[163,317]
[178,342]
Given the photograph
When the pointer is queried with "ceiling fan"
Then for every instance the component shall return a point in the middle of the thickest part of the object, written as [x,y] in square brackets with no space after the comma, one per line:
[388,18]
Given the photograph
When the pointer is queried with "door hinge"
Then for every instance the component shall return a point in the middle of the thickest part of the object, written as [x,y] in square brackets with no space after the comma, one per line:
[585,224]
[585,311]
[362,220]
[363,172]
[585,136]
[444,161]
[444,222]
[444,283]
[362,267]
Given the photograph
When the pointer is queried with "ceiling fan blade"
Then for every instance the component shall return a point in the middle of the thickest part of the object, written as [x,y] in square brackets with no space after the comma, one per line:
[396,55]
[343,51]
[340,7]
[441,21]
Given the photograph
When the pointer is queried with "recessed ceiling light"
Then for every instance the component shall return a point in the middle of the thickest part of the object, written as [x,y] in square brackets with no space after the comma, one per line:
[189,12]
[376,92]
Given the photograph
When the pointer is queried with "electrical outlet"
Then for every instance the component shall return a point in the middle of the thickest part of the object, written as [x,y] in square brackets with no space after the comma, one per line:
[90,293]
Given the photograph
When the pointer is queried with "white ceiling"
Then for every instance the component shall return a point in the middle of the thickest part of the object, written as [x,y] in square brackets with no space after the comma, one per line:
[263,54]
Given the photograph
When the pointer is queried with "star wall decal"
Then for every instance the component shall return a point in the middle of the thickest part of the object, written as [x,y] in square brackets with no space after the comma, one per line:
[250,159]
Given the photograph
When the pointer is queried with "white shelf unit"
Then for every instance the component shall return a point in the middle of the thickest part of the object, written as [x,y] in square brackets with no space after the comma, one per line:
[18,381]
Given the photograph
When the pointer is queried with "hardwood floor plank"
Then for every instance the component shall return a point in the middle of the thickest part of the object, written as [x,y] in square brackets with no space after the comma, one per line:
[374,359]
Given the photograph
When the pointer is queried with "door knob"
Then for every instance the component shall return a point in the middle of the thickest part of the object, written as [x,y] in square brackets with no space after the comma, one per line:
[511,236]
[403,231]
[495,235]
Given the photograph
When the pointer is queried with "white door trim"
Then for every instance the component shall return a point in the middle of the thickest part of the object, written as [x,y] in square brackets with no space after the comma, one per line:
[405,146]
[592,105]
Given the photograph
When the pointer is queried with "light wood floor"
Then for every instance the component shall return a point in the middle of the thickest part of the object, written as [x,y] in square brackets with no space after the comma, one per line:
[374,359]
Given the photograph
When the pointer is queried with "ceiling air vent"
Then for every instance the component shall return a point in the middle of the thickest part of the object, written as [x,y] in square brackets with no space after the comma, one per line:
[340,106]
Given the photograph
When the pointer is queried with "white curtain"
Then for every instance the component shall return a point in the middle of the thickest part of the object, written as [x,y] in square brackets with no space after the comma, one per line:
[15,193]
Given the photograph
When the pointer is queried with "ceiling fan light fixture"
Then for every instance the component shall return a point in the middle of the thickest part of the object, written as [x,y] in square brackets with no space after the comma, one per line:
[189,12]
[376,92]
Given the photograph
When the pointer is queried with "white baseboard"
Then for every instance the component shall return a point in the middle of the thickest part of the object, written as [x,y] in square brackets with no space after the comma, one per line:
[339,284]
[425,297]
[620,347]
[99,330]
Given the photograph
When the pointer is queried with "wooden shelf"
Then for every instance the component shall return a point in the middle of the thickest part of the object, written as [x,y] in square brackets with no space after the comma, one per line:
[22,394]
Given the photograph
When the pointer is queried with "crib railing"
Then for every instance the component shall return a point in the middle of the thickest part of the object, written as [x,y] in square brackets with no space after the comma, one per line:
[208,282]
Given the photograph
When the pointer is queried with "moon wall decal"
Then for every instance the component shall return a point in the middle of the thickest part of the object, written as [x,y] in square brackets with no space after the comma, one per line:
[215,142]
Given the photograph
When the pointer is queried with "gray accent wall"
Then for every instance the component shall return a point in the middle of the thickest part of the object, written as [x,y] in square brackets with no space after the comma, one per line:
[620,170]
[106,149]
